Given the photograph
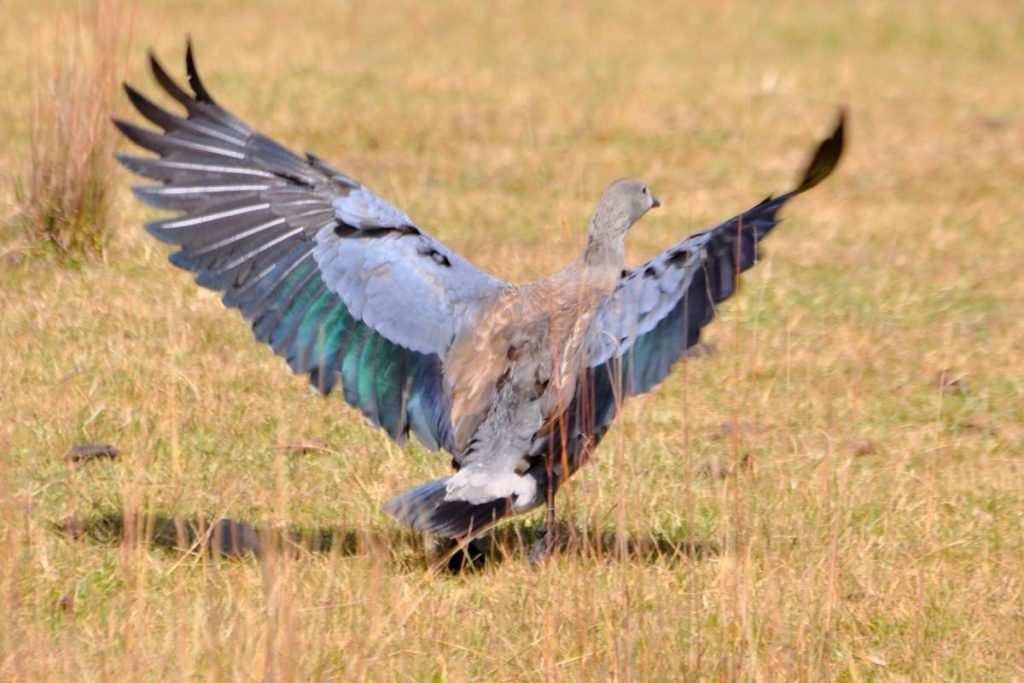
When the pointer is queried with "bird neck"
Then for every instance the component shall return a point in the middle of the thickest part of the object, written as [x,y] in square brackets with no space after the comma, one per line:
[603,261]
[605,252]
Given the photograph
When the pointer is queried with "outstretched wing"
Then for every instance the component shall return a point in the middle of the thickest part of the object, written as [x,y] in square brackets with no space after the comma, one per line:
[335,279]
[658,309]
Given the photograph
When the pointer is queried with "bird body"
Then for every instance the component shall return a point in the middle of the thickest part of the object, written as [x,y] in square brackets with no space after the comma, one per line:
[517,367]
[518,382]
[531,337]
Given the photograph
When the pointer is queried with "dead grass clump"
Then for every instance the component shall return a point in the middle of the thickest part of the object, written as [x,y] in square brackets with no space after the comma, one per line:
[65,195]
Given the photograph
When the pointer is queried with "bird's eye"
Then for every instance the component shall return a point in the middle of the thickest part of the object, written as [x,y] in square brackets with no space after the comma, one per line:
[644,190]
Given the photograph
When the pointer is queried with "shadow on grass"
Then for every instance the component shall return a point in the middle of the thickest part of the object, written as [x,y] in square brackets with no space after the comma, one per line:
[227,538]
[233,539]
[513,542]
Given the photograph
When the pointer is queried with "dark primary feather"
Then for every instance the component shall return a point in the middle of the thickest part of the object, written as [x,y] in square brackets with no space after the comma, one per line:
[251,212]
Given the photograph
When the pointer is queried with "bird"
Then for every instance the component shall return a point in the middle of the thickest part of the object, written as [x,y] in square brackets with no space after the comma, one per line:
[517,382]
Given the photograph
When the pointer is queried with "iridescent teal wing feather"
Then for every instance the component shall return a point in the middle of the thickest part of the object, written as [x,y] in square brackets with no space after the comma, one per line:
[336,280]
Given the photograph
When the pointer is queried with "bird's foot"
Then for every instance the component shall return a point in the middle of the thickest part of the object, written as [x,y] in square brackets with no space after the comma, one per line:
[466,557]
[545,545]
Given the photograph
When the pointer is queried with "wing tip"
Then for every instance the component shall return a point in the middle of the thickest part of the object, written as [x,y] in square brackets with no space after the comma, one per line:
[827,155]
[169,85]
[201,93]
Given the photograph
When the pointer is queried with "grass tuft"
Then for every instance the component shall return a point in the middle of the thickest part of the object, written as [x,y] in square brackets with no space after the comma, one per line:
[64,197]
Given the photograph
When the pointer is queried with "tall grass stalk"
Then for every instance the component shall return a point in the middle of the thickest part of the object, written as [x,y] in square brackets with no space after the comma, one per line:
[65,194]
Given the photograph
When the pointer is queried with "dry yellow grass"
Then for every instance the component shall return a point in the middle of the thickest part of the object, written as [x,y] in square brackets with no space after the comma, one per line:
[878,535]
[64,193]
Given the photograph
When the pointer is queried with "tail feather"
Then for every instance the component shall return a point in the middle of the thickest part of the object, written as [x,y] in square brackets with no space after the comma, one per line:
[425,508]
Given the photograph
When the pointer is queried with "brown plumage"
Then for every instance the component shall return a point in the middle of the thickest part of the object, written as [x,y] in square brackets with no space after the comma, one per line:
[526,345]
[517,367]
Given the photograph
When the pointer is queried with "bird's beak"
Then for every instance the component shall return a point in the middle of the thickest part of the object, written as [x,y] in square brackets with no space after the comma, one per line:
[654,202]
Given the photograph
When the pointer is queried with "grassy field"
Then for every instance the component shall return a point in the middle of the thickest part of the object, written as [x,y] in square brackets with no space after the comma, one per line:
[836,494]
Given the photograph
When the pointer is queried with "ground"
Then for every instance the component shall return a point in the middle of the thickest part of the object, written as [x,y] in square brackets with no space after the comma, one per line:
[837,492]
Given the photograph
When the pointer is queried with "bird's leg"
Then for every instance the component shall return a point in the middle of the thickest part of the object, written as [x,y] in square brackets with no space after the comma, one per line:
[547,542]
